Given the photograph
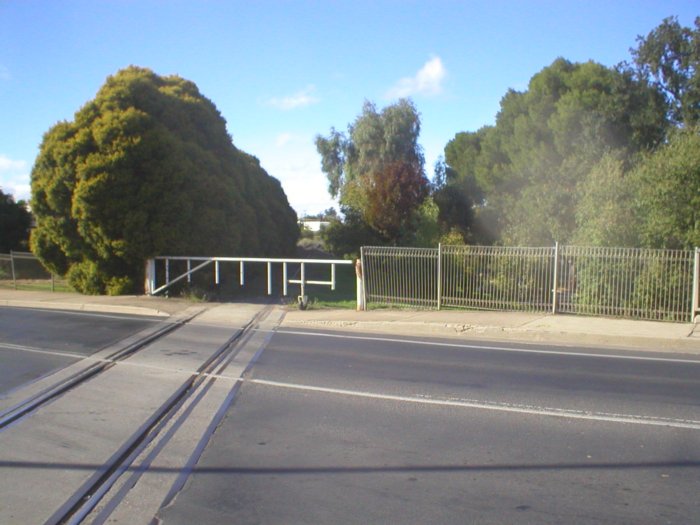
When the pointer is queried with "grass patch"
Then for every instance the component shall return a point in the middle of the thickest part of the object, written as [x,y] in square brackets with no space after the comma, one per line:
[36,285]
[320,296]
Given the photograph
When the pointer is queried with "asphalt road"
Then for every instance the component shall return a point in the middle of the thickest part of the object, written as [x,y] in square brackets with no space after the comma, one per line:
[359,428]
[36,342]
[362,429]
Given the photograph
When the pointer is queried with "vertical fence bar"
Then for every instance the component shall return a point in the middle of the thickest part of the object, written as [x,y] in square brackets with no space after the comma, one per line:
[555,278]
[269,278]
[189,269]
[303,280]
[242,273]
[333,277]
[217,275]
[284,279]
[363,281]
[696,285]
[167,271]
[439,276]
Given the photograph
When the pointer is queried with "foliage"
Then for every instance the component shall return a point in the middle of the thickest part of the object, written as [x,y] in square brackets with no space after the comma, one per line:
[391,201]
[147,168]
[605,214]
[377,169]
[669,56]
[344,238]
[428,229]
[326,215]
[547,139]
[668,192]
[15,222]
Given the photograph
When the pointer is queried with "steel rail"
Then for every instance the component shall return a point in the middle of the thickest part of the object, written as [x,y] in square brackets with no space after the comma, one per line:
[88,496]
[27,406]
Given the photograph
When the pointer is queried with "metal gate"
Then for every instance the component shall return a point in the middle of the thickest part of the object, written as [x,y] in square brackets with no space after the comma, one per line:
[194,264]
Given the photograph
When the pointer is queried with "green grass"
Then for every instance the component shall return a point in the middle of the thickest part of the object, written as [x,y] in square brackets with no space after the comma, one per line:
[344,295]
[36,285]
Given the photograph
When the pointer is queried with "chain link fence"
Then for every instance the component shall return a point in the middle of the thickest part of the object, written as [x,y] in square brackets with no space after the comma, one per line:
[621,282]
[24,271]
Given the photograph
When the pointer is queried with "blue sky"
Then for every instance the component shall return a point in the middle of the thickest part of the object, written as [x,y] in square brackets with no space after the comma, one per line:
[281,72]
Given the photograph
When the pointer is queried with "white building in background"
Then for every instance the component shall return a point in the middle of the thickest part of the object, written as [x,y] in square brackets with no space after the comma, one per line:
[314,225]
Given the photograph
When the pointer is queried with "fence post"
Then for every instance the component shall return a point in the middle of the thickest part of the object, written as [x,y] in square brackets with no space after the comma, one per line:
[439,276]
[269,278]
[150,283]
[284,279]
[360,283]
[555,279]
[696,286]
[12,265]
[302,286]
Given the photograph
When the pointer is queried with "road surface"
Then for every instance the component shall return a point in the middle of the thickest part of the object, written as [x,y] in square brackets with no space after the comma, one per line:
[319,427]
[36,342]
[333,428]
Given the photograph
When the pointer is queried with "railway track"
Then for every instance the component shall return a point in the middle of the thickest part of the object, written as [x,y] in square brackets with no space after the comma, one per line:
[93,497]
[54,390]
[84,501]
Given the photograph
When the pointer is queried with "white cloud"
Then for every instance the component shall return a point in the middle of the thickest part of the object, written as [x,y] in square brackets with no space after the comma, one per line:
[427,81]
[293,160]
[14,177]
[300,99]
[283,139]
[8,165]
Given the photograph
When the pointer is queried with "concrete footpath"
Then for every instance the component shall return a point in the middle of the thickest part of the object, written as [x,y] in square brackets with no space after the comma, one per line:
[462,324]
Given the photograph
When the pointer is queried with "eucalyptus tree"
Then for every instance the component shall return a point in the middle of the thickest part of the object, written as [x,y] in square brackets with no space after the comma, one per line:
[669,57]
[377,168]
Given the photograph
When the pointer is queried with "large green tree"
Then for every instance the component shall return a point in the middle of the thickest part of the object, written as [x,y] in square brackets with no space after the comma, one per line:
[377,168]
[669,57]
[15,221]
[547,139]
[147,168]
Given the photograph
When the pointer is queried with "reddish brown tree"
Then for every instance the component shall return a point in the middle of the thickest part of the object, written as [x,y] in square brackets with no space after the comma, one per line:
[395,191]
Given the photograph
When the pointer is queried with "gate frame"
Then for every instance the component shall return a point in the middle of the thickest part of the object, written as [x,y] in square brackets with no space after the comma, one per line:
[150,281]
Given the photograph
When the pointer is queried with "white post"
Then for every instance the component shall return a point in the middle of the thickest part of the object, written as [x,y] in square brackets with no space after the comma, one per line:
[167,271]
[217,275]
[150,283]
[333,277]
[284,279]
[360,284]
[269,278]
[189,269]
[439,276]
[555,284]
[303,280]
[696,286]
[242,272]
